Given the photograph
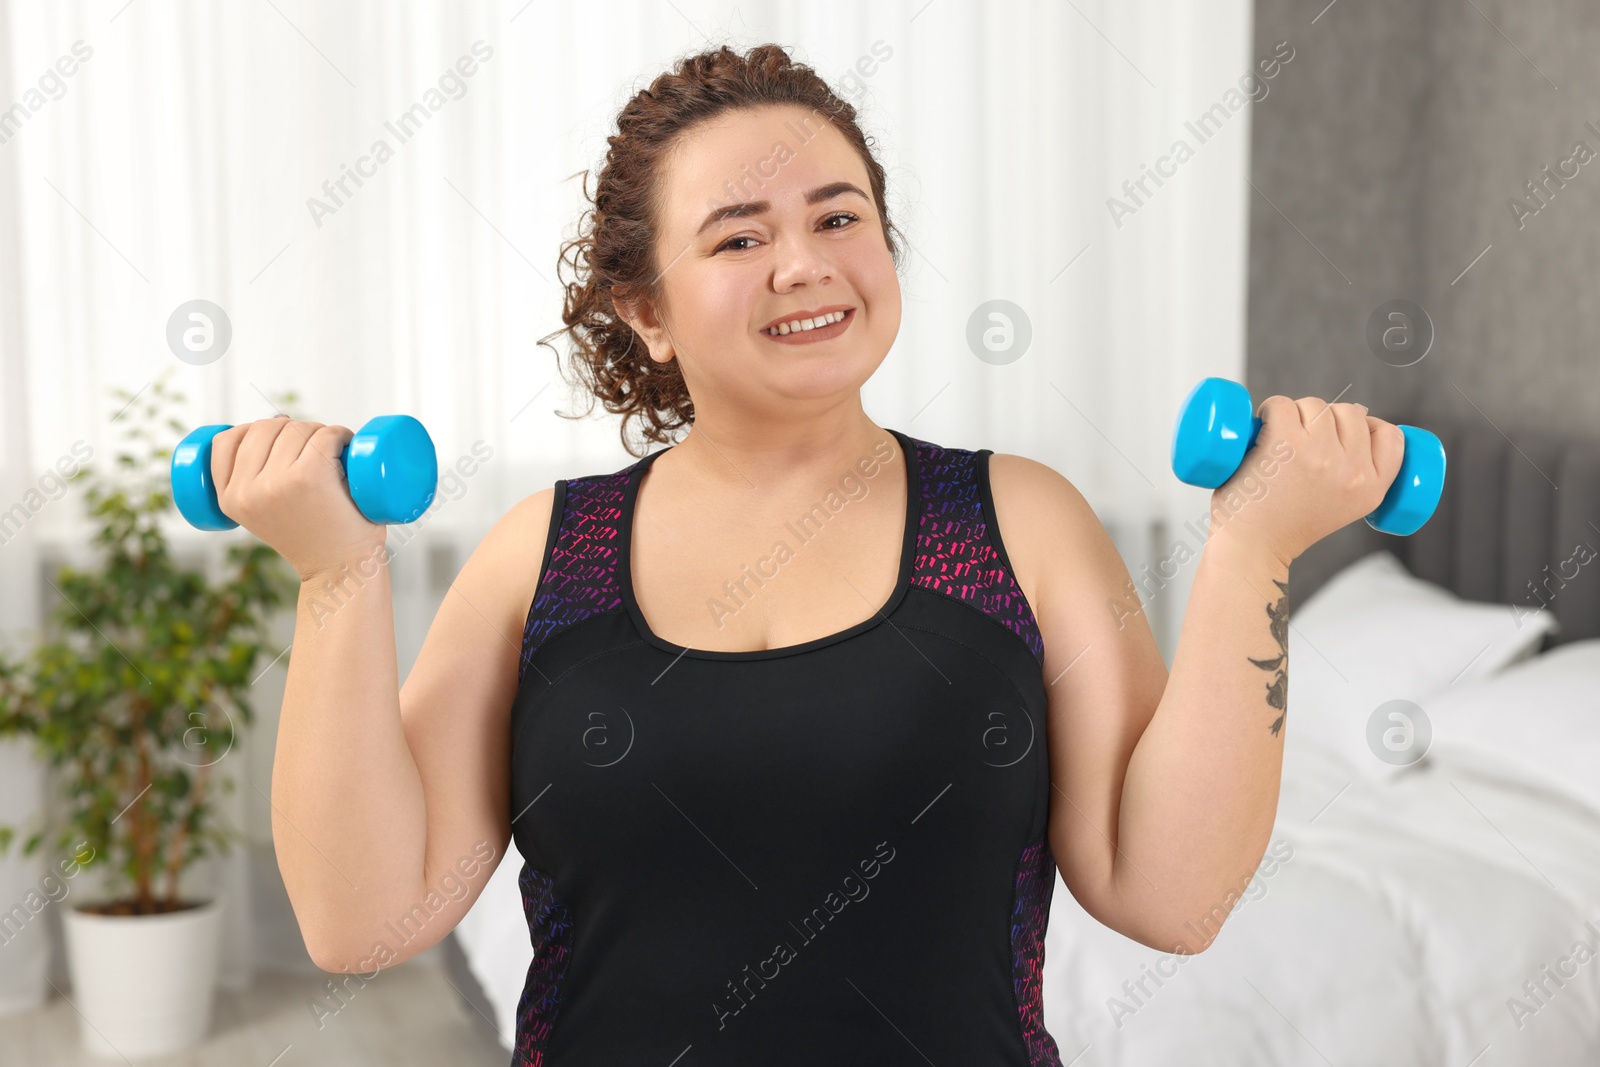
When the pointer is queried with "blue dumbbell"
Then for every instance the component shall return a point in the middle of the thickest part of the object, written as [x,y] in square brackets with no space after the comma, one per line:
[1217,426]
[389,465]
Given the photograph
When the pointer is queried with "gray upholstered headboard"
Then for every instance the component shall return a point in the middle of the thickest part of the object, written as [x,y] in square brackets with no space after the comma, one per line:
[1518,519]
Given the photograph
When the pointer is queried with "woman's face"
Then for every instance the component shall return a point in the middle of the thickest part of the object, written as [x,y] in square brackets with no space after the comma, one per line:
[742,244]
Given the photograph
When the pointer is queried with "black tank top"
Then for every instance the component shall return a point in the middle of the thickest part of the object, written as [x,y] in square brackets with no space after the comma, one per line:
[830,852]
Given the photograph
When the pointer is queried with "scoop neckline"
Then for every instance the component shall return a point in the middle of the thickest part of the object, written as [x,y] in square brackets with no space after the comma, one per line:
[908,540]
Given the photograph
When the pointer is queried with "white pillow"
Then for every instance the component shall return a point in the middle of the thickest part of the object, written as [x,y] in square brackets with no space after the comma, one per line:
[1538,720]
[1375,633]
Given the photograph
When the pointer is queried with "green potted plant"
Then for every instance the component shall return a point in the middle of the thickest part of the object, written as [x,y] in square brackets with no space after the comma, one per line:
[134,695]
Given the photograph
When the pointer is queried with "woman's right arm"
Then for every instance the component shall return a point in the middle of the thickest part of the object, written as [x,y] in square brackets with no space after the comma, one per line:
[391,809]
[389,806]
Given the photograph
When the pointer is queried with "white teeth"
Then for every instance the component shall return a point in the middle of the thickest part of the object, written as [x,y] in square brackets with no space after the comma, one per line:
[801,325]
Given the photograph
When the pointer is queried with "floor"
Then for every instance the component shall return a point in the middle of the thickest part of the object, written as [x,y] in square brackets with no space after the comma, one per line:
[406,1016]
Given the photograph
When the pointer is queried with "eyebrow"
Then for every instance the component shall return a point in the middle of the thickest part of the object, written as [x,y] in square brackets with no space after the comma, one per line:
[757,207]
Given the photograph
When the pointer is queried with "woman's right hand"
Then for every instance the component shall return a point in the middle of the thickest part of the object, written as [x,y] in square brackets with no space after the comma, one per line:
[281,479]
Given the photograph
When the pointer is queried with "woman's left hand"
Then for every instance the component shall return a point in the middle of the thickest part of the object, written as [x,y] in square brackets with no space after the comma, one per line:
[1315,467]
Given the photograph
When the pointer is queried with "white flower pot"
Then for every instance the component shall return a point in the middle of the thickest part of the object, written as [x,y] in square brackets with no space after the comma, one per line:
[143,985]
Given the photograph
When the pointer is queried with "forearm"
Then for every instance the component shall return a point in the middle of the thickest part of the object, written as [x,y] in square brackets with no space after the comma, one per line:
[348,818]
[1201,791]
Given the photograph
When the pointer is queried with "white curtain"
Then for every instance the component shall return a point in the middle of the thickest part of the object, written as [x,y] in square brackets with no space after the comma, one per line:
[177,161]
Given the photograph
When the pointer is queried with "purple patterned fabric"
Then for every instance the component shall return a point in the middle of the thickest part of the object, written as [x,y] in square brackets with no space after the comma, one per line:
[582,577]
[1036,881]
[955,555]
[955,551]
[550,927]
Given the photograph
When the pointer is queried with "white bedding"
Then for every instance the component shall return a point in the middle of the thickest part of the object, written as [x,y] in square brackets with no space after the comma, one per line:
[1408,916]
[1393,922]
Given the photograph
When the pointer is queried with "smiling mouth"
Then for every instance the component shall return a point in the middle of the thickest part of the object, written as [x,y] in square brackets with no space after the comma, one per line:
[812,336]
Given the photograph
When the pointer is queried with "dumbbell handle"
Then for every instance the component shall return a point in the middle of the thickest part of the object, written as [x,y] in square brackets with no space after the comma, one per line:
[389,466]
[1214,414]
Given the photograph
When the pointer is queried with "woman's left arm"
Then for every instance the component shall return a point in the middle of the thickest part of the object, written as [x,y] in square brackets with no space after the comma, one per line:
[1164,788]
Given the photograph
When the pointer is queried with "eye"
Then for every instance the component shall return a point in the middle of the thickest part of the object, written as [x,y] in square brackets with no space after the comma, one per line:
[745,237]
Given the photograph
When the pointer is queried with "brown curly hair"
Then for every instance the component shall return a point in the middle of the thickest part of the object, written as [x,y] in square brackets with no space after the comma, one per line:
[613,257]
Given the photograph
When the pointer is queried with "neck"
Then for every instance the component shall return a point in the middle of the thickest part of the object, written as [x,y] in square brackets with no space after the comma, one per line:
[778,456]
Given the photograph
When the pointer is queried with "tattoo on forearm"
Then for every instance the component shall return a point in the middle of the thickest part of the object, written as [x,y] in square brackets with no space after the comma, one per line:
[1278,688]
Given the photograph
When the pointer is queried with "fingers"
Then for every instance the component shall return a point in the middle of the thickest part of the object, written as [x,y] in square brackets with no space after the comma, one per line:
[1354,434]
[290,443]
[325,444]
[242,452]
[1388,443]
[256,448]
[245,447]
[1315,413]
[1343,421]
[224,449]
[1279,409]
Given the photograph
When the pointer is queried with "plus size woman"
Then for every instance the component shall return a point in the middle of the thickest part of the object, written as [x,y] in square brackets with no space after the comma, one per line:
[793,721]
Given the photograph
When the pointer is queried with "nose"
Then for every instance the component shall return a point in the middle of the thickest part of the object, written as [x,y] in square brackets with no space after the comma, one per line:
[799,259]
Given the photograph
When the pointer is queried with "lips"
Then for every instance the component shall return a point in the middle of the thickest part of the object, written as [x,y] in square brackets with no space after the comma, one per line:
[797,316]
[821,333]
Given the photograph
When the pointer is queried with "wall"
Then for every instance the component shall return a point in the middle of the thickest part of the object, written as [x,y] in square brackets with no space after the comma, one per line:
[1389,152]
[1517,333]
[1336,162]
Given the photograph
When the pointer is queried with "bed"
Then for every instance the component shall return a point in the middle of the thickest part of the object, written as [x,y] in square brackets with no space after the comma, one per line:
[1431,891]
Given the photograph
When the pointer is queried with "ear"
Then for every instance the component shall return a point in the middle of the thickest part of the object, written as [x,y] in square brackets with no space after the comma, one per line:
[642,317]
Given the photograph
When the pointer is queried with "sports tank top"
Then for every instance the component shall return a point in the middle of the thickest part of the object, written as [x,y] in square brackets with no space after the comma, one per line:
[829,852]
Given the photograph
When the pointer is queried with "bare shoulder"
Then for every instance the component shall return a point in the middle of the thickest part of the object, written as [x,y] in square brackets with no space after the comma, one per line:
[1030,482]
[1068,567]
[530,515]
[1042,517]
[473,647]
[508,563]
